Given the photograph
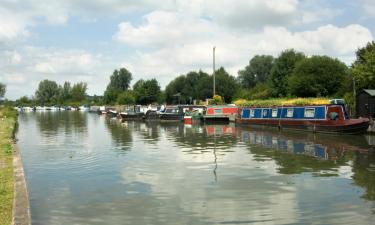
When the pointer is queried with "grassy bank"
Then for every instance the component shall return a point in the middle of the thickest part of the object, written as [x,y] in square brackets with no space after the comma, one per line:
[7,125]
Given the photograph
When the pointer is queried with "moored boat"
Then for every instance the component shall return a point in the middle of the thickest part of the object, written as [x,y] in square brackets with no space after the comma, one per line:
[193,116]
[172,113]
[112,113]
[220,113]
[132,113]
[326,118]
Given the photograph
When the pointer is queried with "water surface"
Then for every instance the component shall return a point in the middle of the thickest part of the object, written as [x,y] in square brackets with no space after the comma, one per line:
[87,169]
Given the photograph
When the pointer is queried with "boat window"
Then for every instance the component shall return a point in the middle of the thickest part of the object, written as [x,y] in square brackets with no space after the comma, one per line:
[252,112]
[310,112]
[265,113]
[218,111]
[289,113]
[274,112]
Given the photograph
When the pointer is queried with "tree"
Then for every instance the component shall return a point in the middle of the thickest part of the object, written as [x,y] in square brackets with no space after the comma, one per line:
[66,91]
[226,85]
[257,71]
[282,69]
[126,98]
[47,92]
[363,69]
[186,88]
[146,91]
[78,92]
[317,76]
[2,90]
[119,82]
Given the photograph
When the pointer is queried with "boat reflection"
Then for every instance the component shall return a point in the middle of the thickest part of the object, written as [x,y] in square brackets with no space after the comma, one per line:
[324,147]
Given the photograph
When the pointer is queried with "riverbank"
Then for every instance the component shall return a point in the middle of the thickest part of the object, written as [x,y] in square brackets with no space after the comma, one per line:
[7,126]
[14,204]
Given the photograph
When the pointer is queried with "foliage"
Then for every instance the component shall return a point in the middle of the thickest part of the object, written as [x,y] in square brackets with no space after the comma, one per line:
[257,71]
[78,92]
[281,71]
[119,82]
[216,100]
[282,101]
[47,92]
[317,76]
[24,101]
[363,69]
[226,85]
[50,93]
[65,92]
[146,91]
[126,98]
[185,88]
[199,86]
[2,90]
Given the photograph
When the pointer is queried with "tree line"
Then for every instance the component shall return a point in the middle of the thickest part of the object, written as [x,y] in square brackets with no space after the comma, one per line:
[290,74]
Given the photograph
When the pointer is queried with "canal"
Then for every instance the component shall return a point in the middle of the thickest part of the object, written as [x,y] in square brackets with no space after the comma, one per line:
[84,168]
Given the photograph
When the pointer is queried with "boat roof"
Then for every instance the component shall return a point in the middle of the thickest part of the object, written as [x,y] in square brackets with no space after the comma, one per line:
[371,92]
[286,106]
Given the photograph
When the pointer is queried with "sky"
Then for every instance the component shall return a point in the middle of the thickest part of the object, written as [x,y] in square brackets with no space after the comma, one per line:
[85,40]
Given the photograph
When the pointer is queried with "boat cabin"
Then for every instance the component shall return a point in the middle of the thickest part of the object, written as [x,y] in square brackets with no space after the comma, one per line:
[221,113]
[319,112]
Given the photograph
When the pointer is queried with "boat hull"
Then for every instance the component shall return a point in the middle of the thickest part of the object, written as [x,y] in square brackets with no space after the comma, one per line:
[133,116]
[351,126]
[171,117]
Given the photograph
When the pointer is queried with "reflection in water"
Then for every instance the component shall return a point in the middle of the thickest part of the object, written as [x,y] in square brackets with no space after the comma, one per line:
[50,123]
[190,174]
[120,134]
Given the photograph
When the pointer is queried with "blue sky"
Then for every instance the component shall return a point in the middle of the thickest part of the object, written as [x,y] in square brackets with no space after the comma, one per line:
[86,40]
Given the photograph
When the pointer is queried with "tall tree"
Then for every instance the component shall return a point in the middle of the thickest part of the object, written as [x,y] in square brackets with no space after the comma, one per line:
[257,71]
[66,91]
[225,84]
[2,90]
[78,92]
[119,82]
[47,92]
[186,88]
[363,69]
[281,71]
[146,91]
[317,76]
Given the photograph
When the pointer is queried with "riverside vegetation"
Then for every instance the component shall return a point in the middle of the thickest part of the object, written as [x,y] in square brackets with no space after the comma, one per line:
[291,75]
[8,118]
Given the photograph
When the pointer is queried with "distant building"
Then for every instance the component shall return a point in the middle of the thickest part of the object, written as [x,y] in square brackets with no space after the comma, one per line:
[365,103]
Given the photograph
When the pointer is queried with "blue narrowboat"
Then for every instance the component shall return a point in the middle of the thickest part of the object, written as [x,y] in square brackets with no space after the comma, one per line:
[328,118]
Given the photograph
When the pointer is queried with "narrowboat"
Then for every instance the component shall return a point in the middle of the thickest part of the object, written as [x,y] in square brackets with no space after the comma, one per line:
[193,113]
[327,118]
[172,113]
[223,113]
[112,113]
[132,113]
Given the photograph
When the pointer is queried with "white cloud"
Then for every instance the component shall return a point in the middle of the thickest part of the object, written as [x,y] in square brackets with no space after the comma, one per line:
[12,26]
[55,64]
[180,43]
[172,37]
[253,13]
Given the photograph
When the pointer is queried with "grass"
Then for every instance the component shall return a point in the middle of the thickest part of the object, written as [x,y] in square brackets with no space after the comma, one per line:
[7,125]
[282,101]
